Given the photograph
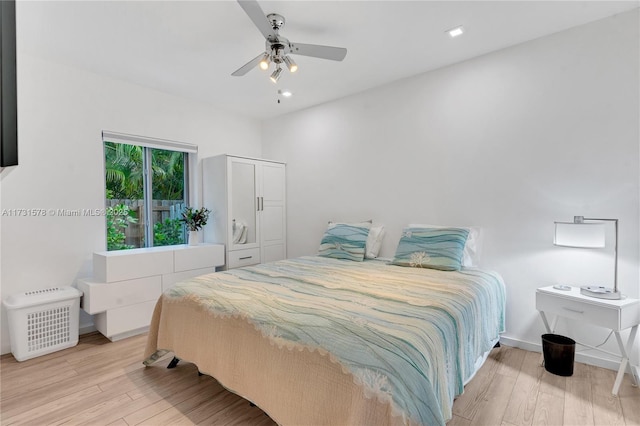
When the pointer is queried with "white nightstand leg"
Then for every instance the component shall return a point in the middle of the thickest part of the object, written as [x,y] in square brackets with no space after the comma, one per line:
[625,358]
[546,323]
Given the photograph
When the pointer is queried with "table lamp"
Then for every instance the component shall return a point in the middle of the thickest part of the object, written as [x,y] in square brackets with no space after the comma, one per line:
[589,233]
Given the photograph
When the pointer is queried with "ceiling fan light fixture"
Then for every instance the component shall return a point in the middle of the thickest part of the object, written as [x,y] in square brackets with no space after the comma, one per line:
[276,75]
[293,67]
[264,62]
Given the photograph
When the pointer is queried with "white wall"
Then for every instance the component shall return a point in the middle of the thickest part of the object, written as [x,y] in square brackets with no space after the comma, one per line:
[511,141]
[62,112]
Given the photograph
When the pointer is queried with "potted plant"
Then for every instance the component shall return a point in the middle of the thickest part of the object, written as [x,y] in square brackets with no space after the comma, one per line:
[195,219]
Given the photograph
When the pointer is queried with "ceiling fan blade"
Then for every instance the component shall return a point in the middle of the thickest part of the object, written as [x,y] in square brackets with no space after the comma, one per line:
[257,15]
[248,66]
[317,51]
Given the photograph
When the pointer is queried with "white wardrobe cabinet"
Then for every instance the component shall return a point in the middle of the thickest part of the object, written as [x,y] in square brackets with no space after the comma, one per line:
[247,198]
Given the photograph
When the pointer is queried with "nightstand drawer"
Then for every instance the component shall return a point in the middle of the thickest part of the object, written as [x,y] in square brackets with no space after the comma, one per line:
[603,316]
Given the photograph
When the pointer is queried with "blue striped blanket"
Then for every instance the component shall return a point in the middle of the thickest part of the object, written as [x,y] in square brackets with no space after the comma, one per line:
[411,336]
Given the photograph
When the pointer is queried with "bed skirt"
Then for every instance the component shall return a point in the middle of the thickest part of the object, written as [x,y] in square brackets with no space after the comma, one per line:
[293,385]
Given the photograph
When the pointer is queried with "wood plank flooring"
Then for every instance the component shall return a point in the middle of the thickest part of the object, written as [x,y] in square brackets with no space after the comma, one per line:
[104,383]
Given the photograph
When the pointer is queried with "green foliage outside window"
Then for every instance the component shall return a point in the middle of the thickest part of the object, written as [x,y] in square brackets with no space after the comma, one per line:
[118,218]
[168,233]
[125,172]
[124,177]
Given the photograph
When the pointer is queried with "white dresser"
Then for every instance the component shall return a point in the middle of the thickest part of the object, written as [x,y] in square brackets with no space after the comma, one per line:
[126,284]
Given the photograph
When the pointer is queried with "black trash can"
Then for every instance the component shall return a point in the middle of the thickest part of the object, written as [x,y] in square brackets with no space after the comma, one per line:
[559,353]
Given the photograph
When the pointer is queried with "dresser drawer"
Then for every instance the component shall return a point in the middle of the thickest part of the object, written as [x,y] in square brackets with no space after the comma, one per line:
[99,297]
[189,258]
[239,258]
[604,316]
[125,321]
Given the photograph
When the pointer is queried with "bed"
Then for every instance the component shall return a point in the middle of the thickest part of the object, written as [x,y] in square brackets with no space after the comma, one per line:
[322,341]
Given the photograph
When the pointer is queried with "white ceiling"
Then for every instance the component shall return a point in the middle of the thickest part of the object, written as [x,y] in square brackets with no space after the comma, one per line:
[190,48]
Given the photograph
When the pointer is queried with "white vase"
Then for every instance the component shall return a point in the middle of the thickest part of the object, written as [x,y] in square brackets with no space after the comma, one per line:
[193,238]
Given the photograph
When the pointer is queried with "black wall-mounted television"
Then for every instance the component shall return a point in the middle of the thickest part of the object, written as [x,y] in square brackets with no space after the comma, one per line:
[8,85]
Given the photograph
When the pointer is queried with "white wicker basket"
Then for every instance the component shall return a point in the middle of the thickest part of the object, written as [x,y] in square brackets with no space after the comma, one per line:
[43,321]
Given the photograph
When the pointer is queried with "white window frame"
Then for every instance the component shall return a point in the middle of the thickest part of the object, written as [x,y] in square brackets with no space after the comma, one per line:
[191,162]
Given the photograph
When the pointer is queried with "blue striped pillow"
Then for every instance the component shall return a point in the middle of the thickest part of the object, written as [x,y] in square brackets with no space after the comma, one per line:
[345,241]
[435,248]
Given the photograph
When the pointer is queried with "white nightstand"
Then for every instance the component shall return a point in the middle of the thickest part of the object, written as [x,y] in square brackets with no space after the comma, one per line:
[615,315]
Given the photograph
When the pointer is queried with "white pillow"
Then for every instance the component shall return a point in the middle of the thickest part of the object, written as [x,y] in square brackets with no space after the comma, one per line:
[374,241]
[471,252]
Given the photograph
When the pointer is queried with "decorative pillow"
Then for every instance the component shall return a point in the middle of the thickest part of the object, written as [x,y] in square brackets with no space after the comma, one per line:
[435,248]
[471,253]
[374,242]
[345,241]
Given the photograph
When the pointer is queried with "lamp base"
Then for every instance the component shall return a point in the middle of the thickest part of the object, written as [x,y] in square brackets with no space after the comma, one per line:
[600,292]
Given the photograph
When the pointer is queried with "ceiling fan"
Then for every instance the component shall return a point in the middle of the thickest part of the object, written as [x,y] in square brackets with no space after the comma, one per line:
[278,48]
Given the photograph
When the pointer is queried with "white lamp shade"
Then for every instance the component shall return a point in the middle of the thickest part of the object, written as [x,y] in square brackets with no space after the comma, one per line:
[583,235]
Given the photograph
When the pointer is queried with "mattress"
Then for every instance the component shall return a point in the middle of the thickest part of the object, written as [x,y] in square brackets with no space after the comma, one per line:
[315,340]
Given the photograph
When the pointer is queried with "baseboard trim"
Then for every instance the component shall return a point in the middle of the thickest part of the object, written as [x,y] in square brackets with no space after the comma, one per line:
[580,357]
[129,333]
[87,328]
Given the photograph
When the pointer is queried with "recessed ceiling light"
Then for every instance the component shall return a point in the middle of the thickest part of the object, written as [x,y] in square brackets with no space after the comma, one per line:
[285,93]
[455,32]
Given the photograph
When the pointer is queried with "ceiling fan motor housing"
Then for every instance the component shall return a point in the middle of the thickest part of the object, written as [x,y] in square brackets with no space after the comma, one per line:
[277,49]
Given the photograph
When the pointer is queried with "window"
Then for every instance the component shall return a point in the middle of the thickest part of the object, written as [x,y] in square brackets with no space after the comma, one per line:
[147,187]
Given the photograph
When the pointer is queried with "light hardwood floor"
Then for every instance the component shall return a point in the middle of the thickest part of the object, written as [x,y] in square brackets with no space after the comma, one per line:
[104,383]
